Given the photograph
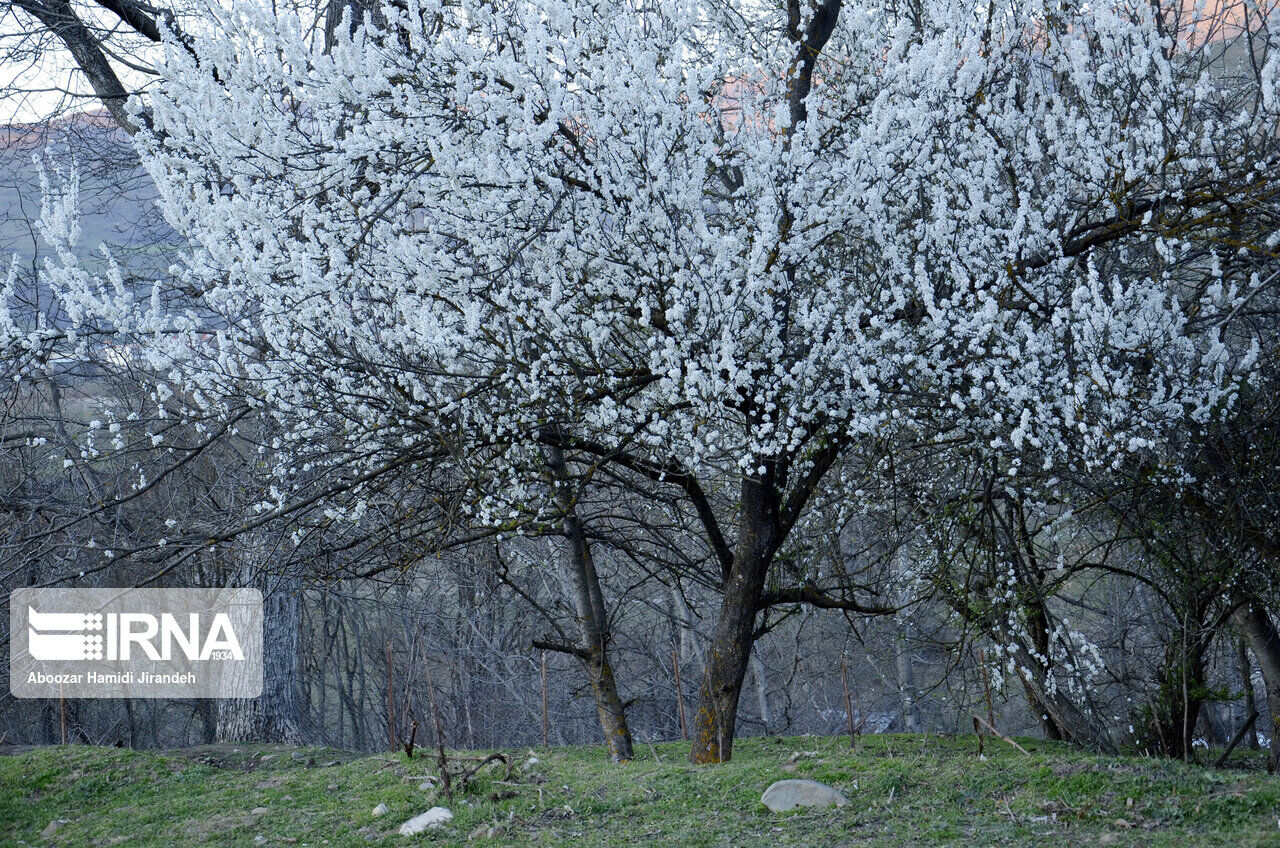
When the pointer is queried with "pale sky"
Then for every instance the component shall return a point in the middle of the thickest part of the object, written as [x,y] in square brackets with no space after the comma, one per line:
[33,87]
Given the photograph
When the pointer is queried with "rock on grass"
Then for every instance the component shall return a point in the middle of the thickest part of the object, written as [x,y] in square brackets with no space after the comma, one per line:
[431,819]
[789,794]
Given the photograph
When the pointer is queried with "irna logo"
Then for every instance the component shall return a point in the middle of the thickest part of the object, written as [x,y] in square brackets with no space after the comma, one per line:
[84,636]
[135,643]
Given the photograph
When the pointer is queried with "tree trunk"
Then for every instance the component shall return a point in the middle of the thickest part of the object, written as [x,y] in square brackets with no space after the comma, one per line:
[762,691]
[1250,696]
[734,634]
[1260,632]
[273,716]
[207,711]
[1179,702]
[1038,624]
[1073,723]
[907,691]
[593,622]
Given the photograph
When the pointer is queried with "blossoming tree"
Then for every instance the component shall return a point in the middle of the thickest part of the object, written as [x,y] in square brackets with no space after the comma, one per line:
[713,246]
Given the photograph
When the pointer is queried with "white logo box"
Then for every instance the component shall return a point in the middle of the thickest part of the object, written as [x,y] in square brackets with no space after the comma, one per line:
[135,643]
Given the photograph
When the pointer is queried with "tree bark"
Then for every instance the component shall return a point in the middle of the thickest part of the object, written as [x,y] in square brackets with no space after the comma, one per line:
[1260,632]
[1250,696]
[273,716]
[731,641]
[1180,698]
[1073,723]
[907,692]
[1038,624]
[592,617]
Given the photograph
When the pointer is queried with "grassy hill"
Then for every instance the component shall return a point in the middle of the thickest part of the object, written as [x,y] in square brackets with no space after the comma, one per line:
[904,791]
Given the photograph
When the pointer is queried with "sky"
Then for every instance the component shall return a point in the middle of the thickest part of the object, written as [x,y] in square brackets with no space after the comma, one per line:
[38,78]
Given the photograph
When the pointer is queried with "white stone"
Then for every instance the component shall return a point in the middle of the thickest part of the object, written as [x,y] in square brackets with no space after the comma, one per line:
[789,794]
[380,810]
[431,819]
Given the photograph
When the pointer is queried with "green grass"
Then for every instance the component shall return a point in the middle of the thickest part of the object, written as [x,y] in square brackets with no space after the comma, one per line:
[904,791]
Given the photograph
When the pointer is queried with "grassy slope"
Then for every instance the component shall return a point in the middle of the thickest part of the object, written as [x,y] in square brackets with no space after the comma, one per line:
[905,791]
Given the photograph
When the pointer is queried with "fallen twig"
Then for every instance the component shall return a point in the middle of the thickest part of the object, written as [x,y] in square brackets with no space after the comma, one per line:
[978,720]
[1235,740]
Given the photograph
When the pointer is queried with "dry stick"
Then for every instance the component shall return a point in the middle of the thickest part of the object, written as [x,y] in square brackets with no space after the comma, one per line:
[413,732]
[1235,740]
[546,724]
[445,777]
[986,684]
[466,776]
[848,702]
[980,720]
[391,702]
[1186,697]
[1155,718]
[675,664]
[407,714]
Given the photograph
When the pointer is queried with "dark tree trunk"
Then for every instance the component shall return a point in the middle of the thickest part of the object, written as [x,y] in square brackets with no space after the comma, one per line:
[1038,624]
[1181,697]
[592,617]
[1260,632]
[207,711]
[1176,708]
[1072,723]
[730,655]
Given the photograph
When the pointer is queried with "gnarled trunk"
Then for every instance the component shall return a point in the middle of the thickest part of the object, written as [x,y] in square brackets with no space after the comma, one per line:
[731,641]
[1072,723]
[1038,624]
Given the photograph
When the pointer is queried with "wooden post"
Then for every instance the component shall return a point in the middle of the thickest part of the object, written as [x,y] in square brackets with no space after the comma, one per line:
[546,721]
[62,708]
[848,701]
[391,703]
[675,664]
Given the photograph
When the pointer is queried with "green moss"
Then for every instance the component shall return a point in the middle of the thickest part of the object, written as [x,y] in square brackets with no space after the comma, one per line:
[905,790]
